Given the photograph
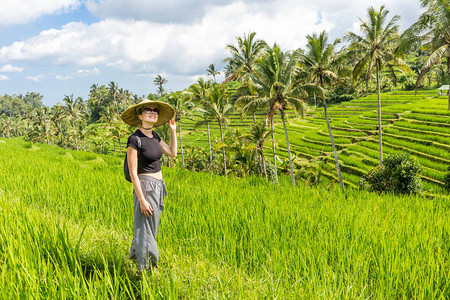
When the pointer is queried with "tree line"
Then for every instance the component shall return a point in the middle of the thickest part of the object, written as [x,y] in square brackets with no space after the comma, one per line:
[259,78]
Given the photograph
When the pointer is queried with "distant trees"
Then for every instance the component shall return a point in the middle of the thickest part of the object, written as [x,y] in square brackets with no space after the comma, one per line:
[217,105]
[259,80]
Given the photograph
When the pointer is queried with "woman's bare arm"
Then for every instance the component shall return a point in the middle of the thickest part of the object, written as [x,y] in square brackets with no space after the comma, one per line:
[172,149]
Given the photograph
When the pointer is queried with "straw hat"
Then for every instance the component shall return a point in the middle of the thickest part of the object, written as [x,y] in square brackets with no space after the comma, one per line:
[130,116]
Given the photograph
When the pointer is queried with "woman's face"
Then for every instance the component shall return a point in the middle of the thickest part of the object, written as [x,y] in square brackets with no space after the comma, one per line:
[149,114]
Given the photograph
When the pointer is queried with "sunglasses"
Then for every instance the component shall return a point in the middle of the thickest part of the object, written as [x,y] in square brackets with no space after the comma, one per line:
[150,110]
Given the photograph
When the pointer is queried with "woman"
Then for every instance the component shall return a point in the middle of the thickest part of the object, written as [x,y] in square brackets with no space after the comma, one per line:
[144,151]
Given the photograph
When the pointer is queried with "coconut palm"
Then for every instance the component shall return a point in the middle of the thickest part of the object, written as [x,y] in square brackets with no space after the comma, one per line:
[57,117]
[258,135]
[159,81]
[275,85]
[212,71]
[218,107]
[197,94]
[114,98]
[243,56]
[377,47]
[183,108]
[40,124]
[320,59]
[6,124]
[243,157]
[433,30]
[71,113]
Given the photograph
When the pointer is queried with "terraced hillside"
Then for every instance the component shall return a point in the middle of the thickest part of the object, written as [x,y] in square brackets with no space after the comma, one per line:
[418,125]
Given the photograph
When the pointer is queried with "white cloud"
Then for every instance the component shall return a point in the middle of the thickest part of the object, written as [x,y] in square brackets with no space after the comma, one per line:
[24,11]
[63,77]
[136,46]
[3,77]
[174,37]
[86,73]
[36,78]
[167,11]
[11,68]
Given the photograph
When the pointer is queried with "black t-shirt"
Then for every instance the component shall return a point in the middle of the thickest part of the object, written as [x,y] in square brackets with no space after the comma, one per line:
[150,152]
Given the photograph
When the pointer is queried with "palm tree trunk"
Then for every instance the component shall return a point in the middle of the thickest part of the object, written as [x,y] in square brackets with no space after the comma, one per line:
[120,144]
[263,163]
[75,132]
[258,156]
[336,160]
[114,143]
[380,138]
[288,147]
[181,143]
[209,143]
[273,150]
[448,77]
[223,150]
[60,133]
[254,117]
[46,132]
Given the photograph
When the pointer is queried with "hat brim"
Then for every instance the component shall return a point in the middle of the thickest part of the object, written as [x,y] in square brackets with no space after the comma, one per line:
[131,115]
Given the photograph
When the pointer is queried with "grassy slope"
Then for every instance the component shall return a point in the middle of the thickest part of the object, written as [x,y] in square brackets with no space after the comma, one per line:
[418,125]
[66,225]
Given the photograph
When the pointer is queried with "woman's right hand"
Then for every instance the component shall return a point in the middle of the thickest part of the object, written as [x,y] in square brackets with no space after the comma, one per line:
[146,208]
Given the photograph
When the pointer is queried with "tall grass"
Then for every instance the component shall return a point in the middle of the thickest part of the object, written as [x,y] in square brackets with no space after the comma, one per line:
[66,225]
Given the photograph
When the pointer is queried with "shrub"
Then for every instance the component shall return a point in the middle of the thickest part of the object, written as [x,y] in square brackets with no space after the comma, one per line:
[398,174]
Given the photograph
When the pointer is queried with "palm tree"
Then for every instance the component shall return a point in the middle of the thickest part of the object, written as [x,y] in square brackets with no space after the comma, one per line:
[6,124]
[57,117]
[377,47]
[71,113]
[114,95]
[258,135]
[320,60]
[109,118]
[197,94]
[182,106]
[275,85]
[40,123]
[433,30]
[218,107]
[212,71]
[159,81]
[83,117]
[243,56]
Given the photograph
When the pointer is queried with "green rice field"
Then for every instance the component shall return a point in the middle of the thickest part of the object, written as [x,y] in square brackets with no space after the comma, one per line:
[418,125]
[66,227]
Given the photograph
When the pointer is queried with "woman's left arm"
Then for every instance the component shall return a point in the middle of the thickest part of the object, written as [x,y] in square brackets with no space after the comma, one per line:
[172,149]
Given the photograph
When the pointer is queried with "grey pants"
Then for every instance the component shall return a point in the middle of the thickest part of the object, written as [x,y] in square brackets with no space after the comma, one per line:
[143,246]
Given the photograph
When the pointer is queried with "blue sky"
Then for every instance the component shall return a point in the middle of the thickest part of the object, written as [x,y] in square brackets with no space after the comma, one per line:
[62,47]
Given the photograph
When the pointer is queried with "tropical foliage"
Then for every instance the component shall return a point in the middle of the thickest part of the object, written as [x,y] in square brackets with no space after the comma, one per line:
[263,82]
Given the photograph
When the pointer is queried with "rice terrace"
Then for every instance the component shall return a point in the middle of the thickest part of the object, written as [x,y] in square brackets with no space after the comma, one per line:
[315,173]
